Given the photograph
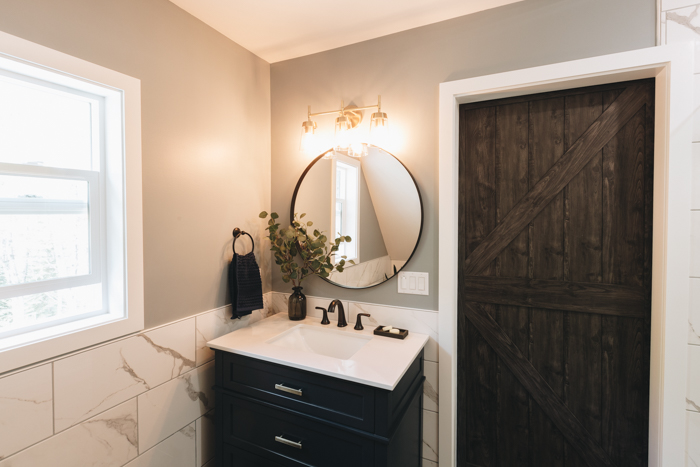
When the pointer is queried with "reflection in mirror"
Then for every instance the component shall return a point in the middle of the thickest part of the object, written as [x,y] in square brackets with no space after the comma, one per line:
[373,200]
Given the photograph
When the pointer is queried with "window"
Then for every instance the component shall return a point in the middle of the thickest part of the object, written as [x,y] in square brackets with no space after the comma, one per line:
[345,217]
[70,177]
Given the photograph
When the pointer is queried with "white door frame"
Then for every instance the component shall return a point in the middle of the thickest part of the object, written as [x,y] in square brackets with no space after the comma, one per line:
[672,66]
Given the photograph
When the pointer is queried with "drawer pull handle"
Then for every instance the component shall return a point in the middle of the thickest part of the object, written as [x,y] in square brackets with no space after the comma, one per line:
[283,440]
[282,387]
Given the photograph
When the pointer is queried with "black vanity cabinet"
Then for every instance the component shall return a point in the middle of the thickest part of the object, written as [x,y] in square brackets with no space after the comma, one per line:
[271,415]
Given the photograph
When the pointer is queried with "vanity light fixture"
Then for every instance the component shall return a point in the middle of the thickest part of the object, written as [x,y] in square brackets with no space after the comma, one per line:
[346,120]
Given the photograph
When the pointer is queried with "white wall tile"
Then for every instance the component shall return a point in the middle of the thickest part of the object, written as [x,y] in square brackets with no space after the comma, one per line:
[430,387]
[696,108]
[26,409]
[692,398]
[695,195]
[695,243]
[694,316]
[419,321]
[93,381]
[673,4]
[692,444]
[109,439]
[217,323]
[205,438]
[683,25]
[430,435]
[177,403]
[278,302]
[176,451]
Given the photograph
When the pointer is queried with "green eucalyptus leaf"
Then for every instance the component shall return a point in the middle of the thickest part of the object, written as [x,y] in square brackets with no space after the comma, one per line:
[302,215]
[263,215]
[309,223]
[274,215]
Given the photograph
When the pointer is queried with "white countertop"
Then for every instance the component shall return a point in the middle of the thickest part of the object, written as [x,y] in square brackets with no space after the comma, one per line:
[380,363]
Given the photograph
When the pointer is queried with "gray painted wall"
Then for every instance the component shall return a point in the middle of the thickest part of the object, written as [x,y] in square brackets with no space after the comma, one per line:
[406,68]
[205,134]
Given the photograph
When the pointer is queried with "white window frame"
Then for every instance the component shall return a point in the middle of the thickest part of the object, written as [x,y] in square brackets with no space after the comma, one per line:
[356,236]
[116,257]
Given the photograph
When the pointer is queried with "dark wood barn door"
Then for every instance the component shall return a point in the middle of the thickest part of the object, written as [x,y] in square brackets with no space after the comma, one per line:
[555,276]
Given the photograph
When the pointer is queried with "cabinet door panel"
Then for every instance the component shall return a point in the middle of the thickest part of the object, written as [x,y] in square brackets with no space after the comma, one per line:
[278,435]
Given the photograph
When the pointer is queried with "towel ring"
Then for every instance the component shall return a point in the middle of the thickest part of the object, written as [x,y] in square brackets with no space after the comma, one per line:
[237,233]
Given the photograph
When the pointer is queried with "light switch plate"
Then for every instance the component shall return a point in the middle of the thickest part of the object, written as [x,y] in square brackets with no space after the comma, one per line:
[414,283]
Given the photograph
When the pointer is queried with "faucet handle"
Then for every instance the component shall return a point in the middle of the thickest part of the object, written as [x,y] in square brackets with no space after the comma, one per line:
[325,315]
[358,324]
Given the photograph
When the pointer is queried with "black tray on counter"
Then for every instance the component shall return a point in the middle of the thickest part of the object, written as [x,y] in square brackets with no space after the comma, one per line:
[401,335]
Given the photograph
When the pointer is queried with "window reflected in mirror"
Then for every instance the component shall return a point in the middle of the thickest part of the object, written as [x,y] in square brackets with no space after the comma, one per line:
[375,201]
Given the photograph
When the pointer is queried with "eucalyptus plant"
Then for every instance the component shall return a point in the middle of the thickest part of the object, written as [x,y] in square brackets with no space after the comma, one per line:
[313,248]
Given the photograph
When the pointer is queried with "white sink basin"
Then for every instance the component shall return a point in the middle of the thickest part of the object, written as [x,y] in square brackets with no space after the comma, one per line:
[328,342]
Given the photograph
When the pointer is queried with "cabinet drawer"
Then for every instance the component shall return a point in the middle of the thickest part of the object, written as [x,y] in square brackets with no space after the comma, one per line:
[234,457]
[339,401]
[281,436]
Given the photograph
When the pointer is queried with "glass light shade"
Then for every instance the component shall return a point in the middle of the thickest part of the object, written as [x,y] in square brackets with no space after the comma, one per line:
[308,141]
[379,129]
[342,132]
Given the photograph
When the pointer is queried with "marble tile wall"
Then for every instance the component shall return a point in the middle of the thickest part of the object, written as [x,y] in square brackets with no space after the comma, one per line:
[415,320]
[140,401]
[146,400]
[680,22]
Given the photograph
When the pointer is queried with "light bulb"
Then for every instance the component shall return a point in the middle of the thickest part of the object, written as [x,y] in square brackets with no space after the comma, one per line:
[308,140]
[342,132]
[379,129]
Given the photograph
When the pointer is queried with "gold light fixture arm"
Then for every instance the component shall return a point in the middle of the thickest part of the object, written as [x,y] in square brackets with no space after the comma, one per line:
[342,110]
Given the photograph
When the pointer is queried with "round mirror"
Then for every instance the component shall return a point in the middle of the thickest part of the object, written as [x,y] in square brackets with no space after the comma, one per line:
[374,200]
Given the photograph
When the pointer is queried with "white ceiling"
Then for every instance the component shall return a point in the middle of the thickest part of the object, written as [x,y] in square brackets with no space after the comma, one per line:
[278,30]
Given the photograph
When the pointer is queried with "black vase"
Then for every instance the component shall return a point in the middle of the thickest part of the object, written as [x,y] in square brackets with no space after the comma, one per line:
[296,306]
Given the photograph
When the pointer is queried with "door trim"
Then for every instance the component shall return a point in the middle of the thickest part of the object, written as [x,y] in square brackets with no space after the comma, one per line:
[672,66]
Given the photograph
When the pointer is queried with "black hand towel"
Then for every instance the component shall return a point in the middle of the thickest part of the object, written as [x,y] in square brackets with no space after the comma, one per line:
[245,284]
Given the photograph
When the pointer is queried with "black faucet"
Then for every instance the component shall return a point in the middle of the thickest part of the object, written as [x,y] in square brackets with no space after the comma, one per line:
[325,315]
[341,312]
[358,323]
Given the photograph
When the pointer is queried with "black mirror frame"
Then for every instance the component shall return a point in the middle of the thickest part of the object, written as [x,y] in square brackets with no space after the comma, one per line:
[420,230]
